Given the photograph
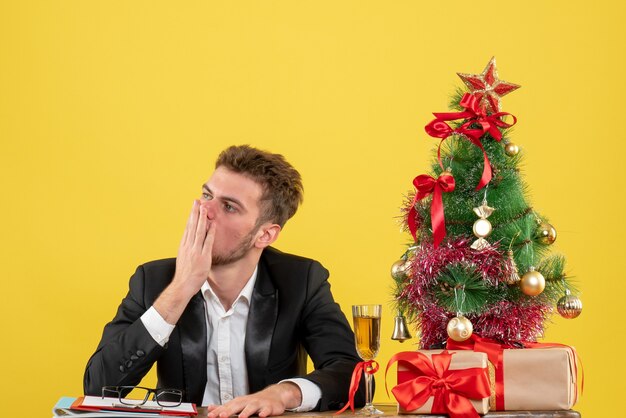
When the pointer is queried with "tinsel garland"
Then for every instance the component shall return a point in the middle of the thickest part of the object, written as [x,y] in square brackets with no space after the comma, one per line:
[506,321]
[427,263]
[511,322]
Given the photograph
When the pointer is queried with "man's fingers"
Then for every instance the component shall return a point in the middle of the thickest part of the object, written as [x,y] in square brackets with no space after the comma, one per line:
[186,231]
[246,406]
[190,230]
[188,234]
[200,233]
[250,409]
[228,409]
[266,411]
[207,248]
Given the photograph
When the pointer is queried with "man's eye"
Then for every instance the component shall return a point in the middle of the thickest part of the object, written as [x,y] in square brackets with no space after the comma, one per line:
[206,196]
[229,207]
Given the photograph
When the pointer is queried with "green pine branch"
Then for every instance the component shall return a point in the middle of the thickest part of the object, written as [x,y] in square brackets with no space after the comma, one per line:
[461,288]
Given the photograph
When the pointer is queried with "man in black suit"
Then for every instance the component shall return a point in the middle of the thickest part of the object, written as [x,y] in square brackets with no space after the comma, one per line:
[230,319]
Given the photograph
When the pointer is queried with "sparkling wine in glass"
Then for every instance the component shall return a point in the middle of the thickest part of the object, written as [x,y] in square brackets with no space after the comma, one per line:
[367,339]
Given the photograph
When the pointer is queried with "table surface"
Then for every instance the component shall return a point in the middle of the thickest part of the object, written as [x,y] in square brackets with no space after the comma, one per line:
[390,410]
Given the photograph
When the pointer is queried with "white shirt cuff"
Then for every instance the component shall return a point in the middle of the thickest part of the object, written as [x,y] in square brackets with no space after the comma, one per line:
[156,326]
[311,394]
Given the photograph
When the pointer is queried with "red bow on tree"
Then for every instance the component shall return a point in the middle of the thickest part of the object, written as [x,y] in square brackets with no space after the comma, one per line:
[425,185]
[451,389]
[475,115]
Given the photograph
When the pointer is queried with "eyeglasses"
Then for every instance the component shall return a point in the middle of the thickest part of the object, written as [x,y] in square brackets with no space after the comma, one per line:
[136,396]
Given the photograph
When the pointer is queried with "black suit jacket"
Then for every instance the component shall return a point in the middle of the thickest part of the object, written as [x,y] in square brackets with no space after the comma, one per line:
[292,313]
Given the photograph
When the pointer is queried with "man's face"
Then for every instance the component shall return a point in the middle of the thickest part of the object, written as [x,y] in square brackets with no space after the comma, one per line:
[232,201]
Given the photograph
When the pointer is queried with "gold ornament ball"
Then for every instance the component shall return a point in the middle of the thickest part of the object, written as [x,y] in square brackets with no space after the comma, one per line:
[460,328]
[482,228]
[569,306]
[546,234]
[511,149]
[532,283]
[398,269]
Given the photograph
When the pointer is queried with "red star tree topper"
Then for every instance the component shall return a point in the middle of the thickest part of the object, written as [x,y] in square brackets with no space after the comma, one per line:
[488,87]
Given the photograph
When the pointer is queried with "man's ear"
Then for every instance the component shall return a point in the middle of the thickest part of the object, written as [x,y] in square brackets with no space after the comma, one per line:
[268,233]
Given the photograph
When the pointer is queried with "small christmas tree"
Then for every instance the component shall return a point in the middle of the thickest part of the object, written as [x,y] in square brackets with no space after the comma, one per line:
[479,262]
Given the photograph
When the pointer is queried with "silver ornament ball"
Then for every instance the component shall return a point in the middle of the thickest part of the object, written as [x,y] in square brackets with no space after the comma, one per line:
[569,306]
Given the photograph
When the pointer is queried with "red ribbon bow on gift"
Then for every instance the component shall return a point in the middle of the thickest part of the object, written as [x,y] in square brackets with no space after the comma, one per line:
[475,114]
[451,389]
[425,185]
[369,367]
[495,353]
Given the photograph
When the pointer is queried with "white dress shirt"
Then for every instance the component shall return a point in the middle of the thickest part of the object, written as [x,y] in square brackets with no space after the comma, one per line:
[227,374]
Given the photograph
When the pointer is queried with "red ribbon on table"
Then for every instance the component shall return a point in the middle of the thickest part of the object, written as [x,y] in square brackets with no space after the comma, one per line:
[451,389]
[425,185]
[495,353]
[369,367]
[475,114]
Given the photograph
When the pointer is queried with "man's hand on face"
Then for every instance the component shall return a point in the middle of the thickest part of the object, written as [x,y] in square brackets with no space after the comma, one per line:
[273,400]
[193,265]
[193,262]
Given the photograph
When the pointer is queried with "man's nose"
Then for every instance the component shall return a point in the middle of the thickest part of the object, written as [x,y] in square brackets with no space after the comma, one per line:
[210,207]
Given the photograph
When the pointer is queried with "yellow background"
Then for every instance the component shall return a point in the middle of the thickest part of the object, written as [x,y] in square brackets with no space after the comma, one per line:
[112,113]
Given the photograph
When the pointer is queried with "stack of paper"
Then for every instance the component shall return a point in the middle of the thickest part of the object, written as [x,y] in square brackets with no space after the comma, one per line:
[97,407]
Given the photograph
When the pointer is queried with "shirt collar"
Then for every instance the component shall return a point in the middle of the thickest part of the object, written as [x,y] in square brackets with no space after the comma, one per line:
[246,292]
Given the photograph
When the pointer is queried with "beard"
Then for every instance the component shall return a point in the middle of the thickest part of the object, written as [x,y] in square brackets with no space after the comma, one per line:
[238,253]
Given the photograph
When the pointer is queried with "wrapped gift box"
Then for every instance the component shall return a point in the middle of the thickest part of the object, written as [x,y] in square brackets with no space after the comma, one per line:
[539,379]
[541,376]
[460,360]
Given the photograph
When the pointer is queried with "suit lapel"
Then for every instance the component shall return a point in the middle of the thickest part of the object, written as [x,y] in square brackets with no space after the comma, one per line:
[193,341]
[260,328]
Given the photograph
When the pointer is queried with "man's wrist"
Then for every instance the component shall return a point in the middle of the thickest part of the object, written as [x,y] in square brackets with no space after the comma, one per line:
[311,394]
[182,288]
[290,394]
[172,301]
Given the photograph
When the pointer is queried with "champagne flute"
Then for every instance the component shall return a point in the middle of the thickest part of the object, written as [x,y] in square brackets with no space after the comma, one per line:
[367,339]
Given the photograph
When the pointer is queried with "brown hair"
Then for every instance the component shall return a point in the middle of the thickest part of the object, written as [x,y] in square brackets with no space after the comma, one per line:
[282,184]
